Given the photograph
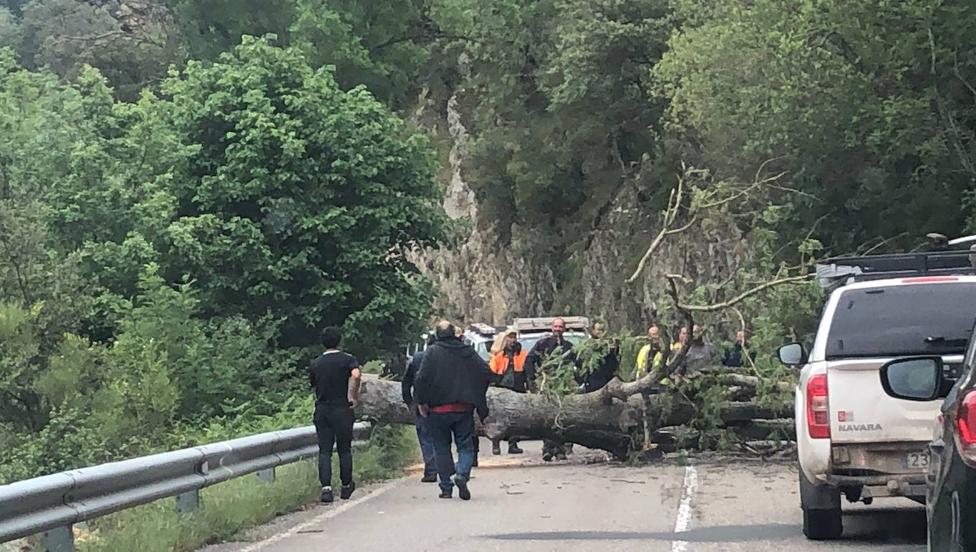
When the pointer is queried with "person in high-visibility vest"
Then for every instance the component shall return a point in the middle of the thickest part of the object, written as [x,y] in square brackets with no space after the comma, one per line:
[653,356]
[508,365]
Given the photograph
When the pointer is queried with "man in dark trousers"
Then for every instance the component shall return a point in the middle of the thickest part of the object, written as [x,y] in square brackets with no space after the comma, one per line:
[423,434]
[335,377]
[553,344]
[507,364]
[450,387]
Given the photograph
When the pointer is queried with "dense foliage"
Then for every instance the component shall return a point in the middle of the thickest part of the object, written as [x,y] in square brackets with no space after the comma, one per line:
[169,262]
[181,205]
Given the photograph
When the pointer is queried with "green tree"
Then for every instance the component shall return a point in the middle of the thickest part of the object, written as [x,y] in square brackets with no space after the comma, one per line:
[300,201]
[562,112]
[381,45]
[66,35]
[10,32]
[867,107]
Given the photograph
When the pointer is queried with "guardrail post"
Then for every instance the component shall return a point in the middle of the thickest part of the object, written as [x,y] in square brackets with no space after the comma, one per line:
[188,502]
[61,539]
[268,475]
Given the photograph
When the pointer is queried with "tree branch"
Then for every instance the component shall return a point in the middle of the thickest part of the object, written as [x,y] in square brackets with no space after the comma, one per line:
[746,294]
[668,217]
[755,185]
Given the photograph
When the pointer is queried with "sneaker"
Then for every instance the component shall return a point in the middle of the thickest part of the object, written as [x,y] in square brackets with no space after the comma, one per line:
[347,490]
[560,456]
[496,449]
[446,494]
[547,457]
[429,479]
[514,449]
[326,496]
[462,485]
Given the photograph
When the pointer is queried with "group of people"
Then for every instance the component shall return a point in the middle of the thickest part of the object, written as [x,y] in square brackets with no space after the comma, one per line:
[657,353]
[518,370]
[446,385]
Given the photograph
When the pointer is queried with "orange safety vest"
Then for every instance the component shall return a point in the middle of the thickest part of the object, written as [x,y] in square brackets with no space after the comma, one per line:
[499,362]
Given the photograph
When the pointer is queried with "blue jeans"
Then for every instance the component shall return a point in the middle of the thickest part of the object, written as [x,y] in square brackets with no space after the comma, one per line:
[426,446]
[442,427]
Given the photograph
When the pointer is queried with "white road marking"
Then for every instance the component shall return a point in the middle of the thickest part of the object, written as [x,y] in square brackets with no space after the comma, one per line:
[332,512]
[684,508]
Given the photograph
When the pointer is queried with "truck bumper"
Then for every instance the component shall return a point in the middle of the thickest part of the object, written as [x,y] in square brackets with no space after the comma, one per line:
[877,486]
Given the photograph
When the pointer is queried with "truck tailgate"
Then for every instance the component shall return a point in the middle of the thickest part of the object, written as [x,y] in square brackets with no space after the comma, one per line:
[861,411]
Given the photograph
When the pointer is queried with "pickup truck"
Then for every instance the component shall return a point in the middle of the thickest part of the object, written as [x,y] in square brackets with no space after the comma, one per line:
[853,439]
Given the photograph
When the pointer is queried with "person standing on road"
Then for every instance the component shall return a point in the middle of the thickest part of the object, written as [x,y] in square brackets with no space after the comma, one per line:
[553,344]
[451,385]
[700,353]
[735,356]
[653,356]
[335,377]
[508,365]
[423,434]
[598,371]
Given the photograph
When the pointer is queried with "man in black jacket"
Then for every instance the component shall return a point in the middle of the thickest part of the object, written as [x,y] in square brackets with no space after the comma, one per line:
[423,434]
[604,367]
[552,345]
[451,384]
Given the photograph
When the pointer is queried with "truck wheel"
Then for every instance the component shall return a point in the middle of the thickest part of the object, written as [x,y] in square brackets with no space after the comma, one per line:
[821,510]
[822,524]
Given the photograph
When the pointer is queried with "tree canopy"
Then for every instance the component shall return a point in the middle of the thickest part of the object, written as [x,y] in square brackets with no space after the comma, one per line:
[190,190]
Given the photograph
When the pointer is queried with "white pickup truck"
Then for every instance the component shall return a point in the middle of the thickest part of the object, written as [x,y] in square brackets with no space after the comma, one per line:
[853,439]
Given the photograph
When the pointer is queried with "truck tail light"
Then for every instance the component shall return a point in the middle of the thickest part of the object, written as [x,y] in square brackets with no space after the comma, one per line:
[818,412]
[966,428]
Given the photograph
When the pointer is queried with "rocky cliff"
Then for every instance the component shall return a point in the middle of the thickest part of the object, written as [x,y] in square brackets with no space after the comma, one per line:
[485,278]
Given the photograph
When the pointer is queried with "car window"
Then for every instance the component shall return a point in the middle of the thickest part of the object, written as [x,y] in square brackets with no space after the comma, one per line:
[902,320]
[482,349]
[529,341]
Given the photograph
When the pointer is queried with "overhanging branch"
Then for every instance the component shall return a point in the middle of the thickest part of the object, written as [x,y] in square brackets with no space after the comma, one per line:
[746,294]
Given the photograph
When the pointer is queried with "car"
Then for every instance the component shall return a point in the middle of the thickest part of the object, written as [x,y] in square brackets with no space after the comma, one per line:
[853,439]
[481,336]
[951,489]
[531,330]
[478,335]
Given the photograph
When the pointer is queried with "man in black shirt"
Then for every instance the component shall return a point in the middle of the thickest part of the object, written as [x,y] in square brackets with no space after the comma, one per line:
[335,377]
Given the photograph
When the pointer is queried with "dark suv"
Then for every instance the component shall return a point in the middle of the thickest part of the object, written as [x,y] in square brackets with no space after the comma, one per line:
[951,498]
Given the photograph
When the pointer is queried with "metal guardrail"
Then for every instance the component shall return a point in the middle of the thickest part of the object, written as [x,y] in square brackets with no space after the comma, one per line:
[52,503]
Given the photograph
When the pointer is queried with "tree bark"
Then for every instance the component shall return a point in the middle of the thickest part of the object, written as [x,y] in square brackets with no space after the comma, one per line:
[611,419]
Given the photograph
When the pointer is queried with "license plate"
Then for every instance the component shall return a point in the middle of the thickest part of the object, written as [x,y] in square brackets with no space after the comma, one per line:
[917,460]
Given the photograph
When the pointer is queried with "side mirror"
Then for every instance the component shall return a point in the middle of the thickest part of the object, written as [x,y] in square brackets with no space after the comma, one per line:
[793,354]
[913,379]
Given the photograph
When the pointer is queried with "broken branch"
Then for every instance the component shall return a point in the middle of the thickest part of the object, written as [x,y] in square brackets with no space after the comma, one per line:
[746,294]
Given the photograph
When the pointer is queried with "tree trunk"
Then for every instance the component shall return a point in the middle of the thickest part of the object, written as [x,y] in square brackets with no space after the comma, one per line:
[611,419]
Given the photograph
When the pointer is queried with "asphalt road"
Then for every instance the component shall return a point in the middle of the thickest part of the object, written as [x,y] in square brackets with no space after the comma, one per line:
[701,507]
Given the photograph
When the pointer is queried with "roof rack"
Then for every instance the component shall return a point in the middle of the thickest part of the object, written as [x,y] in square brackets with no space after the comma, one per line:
[483,329]
[840,271]
[535,324]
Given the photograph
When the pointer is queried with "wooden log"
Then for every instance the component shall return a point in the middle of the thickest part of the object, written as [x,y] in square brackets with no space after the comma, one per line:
[611,419]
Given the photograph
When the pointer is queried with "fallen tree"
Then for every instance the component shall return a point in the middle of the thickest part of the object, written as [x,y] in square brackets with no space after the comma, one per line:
[705,403]
[611,419]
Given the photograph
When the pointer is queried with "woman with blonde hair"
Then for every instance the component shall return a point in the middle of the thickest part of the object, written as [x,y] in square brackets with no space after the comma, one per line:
[508,365]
